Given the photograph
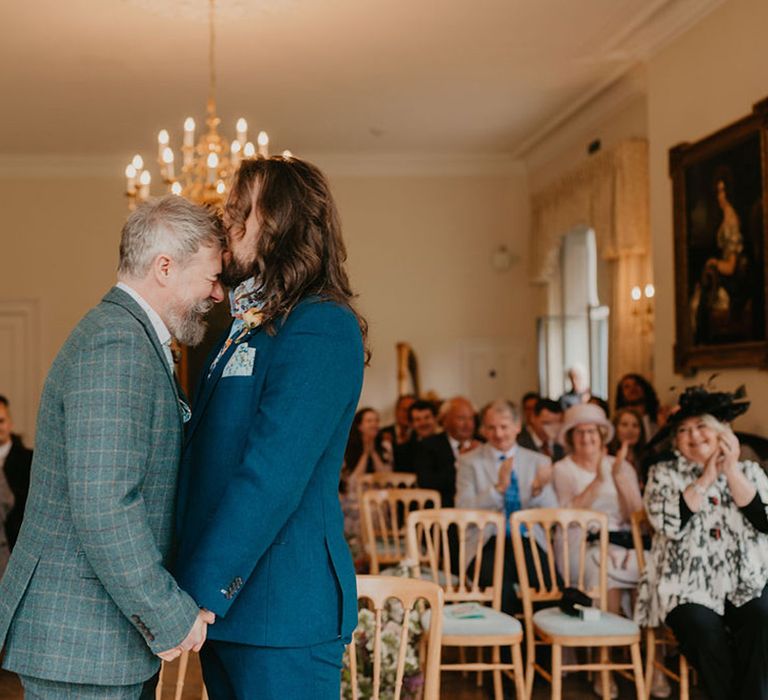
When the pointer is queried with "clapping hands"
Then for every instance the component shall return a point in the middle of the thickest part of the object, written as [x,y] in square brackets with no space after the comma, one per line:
[194,639]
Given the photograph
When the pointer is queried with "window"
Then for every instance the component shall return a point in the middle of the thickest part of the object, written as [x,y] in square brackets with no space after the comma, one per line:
[575,331]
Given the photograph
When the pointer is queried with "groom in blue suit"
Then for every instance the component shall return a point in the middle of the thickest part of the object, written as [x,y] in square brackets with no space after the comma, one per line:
[260,526]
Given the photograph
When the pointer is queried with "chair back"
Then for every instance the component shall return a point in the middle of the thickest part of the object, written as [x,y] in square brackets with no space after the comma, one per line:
[384,480]
[383,514]
[378,590]
[565,533]
[639,523]
[429,548]
[181,665]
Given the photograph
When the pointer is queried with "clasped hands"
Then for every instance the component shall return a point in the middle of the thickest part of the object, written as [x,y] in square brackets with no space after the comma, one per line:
[194,639]
[540,480]
[724,459]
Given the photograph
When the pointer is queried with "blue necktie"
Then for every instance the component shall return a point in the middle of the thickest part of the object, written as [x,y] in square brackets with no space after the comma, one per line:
[511,495]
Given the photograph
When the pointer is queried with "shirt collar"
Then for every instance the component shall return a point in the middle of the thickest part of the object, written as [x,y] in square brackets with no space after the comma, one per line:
[242,297]
[499,455]
[161,330]
[5,450]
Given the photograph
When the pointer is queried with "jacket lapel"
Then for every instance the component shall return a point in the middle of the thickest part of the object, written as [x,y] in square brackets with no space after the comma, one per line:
[120,298]
[208,383]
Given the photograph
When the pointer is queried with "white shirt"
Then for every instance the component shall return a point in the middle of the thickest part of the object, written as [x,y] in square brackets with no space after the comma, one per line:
[7,498]
[161,330]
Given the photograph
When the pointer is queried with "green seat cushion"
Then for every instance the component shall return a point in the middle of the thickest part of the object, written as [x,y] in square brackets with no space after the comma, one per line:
[555,621]
[468,619]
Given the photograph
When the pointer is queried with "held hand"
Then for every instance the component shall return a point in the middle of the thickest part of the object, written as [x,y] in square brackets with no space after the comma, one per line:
[505,474]
[194,639]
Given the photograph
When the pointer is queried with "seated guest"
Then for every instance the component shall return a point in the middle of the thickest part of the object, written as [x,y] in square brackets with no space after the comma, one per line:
[579,391]
[435,456]
[635,391]
[708,567]
[528,403]
[540,433]
[15,464]
[393,437]
[629,435]
[504,477]
[589,478]
[363,455]
[422,417]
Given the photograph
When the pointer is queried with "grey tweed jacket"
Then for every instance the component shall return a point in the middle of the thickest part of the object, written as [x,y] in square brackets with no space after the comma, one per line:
[86,597]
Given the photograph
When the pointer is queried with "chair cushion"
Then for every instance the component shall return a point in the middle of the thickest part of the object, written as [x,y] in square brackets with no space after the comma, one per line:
[467,619]
[555,621]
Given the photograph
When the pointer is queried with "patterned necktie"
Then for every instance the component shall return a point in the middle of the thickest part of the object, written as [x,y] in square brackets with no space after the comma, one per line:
[511,495]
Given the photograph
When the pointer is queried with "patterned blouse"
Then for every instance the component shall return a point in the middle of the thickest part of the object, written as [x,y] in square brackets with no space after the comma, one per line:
[713,556]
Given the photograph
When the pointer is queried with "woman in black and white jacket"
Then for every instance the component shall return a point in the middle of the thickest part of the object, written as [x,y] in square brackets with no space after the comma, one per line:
[708,568]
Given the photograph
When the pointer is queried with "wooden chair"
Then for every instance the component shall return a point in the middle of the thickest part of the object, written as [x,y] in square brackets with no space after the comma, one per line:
[379,589]
[383,514]
[181,673]
[552,626]
[429,547]
[384,480]
[663,636]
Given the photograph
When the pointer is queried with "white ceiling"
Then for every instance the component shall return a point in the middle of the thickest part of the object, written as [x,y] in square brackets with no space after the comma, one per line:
[489,77]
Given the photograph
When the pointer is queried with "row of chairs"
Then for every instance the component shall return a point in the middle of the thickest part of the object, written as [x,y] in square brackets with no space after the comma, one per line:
[388,540]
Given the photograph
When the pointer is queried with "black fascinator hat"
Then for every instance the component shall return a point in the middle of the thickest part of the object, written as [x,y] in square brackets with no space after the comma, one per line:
[698,401]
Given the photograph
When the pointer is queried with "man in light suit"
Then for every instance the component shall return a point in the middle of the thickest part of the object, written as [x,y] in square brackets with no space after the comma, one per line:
[261,528]
[502,476]
[86,604]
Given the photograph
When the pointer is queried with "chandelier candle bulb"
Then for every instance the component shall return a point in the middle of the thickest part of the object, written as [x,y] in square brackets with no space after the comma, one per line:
[213,165]
[249,150]
[130,177]
[221,188]
[162,143]
[263,141]
[145,181]
[138,163]
[176,188]
[189,131]
[168,163]
[637,294]
[235,150]
[242,131]
[649,291]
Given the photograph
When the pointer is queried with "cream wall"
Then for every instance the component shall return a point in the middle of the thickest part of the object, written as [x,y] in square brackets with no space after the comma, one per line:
[706,79]
[419,257]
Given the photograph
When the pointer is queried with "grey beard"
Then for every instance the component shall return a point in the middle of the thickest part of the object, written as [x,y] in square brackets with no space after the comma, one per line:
[188,326]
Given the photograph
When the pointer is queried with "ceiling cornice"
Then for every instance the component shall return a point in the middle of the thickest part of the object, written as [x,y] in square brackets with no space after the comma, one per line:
[660,23]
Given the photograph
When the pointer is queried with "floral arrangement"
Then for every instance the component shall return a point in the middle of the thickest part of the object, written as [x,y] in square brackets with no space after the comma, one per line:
[392,620]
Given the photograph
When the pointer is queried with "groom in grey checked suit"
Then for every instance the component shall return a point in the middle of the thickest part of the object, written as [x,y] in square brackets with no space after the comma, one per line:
[86,604]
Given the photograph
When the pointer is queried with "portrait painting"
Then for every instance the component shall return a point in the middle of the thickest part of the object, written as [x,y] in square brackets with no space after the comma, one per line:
[720,237]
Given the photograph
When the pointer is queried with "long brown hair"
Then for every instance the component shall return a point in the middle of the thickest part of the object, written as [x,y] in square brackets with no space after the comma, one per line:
[300,251]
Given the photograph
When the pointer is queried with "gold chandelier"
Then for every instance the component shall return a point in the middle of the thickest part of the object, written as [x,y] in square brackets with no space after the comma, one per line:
[207,166]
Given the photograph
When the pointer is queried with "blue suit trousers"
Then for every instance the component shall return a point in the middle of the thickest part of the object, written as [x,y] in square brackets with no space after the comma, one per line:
[243,672]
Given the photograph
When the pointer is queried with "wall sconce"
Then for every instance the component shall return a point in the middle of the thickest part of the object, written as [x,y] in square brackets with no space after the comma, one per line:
[643,312]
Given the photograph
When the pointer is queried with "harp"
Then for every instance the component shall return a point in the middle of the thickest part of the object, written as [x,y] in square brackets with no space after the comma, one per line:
[407,371]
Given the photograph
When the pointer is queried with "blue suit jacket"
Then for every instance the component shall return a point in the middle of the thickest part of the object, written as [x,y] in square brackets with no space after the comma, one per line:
[261,539]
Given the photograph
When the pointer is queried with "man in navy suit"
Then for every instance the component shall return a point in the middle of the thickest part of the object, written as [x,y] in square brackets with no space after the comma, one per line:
[261,529]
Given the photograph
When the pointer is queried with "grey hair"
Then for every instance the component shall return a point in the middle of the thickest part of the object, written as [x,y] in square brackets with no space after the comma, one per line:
[170,225]
[501,406]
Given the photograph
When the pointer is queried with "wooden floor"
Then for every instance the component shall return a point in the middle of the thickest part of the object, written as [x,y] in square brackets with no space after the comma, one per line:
[454,687]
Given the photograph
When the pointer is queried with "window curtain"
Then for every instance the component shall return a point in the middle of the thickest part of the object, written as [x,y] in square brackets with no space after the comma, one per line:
[609,194]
